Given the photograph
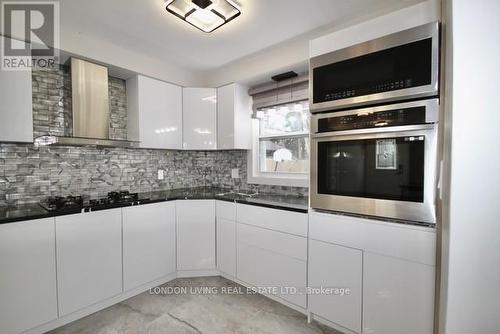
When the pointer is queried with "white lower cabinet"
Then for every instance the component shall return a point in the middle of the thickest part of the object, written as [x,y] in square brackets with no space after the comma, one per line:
[336,267]
[272,250]
[195,235]
[273,219]
[226,246]
[389,267]
[275,260]
[379,277]
[398,296]
[89,259]
[226,237]
[28,295]
[148,243]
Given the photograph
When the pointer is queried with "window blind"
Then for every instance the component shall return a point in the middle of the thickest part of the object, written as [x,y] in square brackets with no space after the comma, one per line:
[282,92]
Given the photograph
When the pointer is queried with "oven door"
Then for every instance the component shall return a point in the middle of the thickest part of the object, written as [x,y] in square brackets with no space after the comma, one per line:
[388,173]
[396,67]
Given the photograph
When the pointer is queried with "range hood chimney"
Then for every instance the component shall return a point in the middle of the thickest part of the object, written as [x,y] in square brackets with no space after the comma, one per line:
[91,114]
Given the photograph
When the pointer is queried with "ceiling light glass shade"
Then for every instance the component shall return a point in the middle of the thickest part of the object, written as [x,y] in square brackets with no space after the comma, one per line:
[206,15]
[206,20]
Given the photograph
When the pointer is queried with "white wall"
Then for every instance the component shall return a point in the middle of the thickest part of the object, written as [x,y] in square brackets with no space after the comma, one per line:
[422,13]
[471,254]
[132,60]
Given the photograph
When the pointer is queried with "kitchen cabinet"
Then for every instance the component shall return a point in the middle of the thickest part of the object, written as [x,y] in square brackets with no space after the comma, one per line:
[16,109]
[273,219]
[226,246]
[268,258]
[234,111]
[195,235]
[199,118]
[268,254]
[89,259]
[411,243]
[154,113]
[148,243]
[398,273]
[398,296]
[333,266]
[226,237]
[28,275]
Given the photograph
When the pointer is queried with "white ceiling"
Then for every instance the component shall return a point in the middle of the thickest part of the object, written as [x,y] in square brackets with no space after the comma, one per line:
[146,27]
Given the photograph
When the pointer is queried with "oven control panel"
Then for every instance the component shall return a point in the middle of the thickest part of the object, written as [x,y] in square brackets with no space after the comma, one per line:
[367,120]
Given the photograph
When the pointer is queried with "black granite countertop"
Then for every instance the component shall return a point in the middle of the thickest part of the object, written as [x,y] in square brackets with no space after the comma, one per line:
[22,212]
[295,203]
[286,202]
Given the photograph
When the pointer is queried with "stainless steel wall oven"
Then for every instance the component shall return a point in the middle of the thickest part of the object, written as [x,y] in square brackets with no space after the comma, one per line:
[378,161]
[374,129]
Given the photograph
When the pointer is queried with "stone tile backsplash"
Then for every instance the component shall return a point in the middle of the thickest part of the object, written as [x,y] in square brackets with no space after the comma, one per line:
[29,174]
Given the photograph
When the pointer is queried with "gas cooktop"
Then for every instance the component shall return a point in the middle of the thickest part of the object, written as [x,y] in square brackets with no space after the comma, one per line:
[77,203]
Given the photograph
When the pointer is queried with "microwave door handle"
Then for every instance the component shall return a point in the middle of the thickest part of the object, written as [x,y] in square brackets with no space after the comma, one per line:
[405,128]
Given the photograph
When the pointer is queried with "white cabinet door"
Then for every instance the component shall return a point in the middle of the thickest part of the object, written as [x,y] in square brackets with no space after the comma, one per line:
[89,259]
[226,210]
[148,243]
[195,235]
[273,219]
[28,295]
[154,113]
[398,296]
[234,111]
[332,266]
[16,110]
[200,119]
[272,259]
[407,242]
[226,246]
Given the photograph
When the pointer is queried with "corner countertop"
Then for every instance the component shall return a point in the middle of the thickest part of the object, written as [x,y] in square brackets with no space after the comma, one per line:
[296,203]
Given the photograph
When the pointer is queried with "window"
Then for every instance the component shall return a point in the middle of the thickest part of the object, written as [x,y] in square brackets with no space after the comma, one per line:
[281,148]
[284,139]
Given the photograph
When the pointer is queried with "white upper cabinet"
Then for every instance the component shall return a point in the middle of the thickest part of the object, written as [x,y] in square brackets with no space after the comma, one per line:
[234,111]
[16,109]
[154,113]
[406,18]
[200,119]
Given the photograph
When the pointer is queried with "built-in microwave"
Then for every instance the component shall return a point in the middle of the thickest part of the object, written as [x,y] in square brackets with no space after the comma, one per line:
[397,67]
[378,161]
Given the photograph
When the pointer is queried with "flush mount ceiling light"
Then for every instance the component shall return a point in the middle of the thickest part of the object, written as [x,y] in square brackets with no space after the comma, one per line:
[206,15]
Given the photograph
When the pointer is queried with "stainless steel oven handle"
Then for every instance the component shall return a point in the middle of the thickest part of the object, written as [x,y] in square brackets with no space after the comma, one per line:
[404,128]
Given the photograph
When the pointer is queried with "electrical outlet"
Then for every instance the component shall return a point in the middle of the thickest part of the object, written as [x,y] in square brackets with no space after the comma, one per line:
[235,173]
[161,174]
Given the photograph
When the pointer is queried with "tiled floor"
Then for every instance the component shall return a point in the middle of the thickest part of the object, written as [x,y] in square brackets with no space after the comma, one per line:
[196,313]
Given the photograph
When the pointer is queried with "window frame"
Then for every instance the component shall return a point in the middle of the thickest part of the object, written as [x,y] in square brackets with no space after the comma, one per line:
[255,176]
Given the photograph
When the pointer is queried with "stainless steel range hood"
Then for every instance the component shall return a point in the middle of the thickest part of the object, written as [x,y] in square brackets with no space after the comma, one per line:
[91,114]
